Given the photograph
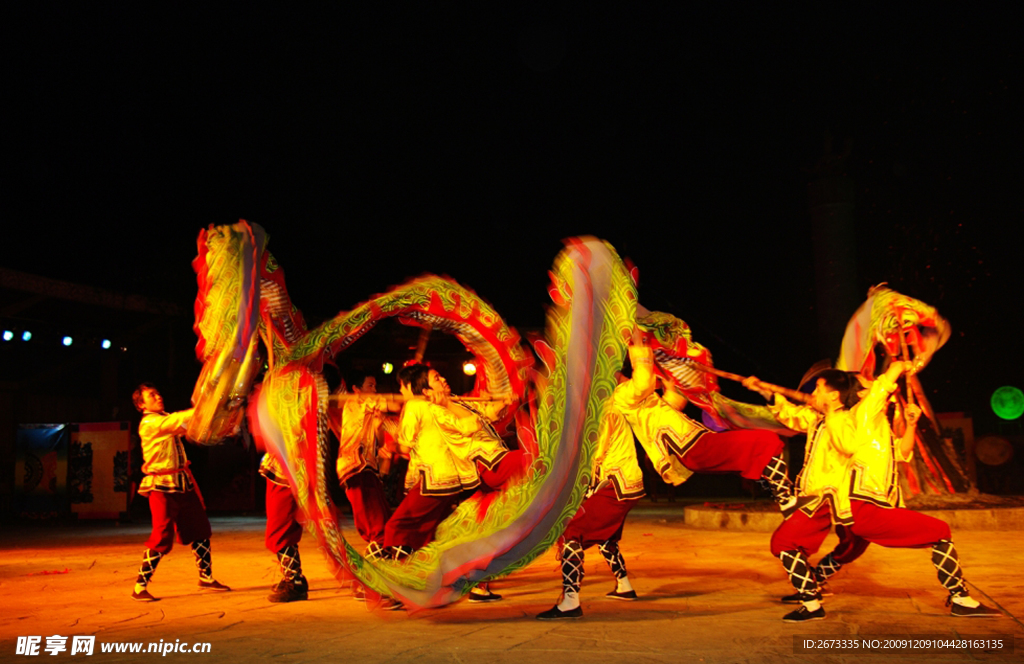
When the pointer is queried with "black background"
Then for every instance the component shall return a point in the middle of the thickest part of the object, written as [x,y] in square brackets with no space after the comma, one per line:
[381,142]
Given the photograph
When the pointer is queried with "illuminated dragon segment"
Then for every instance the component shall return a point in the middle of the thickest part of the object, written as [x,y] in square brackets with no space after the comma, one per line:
[677,358]
[595,305]
[888,326]
[891,326]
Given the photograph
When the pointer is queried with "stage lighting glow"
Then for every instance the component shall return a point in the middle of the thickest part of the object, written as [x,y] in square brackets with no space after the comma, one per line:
[1008,402]
[387,368]
[105,343]
[66,341]
[8,335]
[469,368]
[26,335]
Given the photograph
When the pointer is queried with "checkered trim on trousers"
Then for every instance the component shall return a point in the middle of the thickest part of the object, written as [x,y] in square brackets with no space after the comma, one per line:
[826,567]
[610,550]
[150,559]
[572,565]
[947,564]
[776,476]
[290,562]
[204,563]
[800,573]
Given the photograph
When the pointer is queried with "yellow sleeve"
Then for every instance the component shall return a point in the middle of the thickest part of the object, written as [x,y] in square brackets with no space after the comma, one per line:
[155,424]
[410,423]
[797,418]
[633,392]
[875,400]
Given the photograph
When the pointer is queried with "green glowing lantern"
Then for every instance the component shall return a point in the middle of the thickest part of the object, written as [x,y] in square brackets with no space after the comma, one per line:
[1008,402]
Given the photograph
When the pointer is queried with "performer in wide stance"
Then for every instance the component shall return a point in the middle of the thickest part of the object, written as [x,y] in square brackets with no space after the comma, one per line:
[846,475]
[174,499]
[617,486]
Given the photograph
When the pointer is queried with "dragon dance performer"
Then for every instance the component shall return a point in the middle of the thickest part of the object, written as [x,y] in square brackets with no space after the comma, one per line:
[283,532]
[358,424]
[174,498]
[617,486]
[444,446]
[679,447]
[844,466]
[877,479]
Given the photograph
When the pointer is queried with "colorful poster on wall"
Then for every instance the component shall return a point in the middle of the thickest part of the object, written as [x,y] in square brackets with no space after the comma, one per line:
[41,470]
[98,469]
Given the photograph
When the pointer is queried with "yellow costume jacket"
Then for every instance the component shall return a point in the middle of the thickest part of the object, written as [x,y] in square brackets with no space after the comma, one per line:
[615,458]
[439,450]
[874,470]
[485,445]
[359,434]
[163,454]
[833,440]
[665,433]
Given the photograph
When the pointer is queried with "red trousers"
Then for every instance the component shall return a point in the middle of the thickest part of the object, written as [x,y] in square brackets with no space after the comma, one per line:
[413,524]
[370,511]
[892,527]
[508,467]
[283,527]
[181,512]
[744,451]
[600,518]
[850,547]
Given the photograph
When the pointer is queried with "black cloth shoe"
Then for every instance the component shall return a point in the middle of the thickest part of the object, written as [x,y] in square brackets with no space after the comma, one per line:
[479,596]
[626,595]
[961,611]
[289,591]
[143,596]
[803,615]
[212,585]
[359,594]
[389,604]
[555,614]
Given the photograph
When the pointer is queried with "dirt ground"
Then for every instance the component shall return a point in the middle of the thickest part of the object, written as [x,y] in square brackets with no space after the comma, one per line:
[706,596]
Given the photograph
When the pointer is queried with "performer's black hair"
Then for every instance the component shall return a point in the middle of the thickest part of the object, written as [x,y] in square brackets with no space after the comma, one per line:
[137,394]
[418,378]
[843,382]
[355,378]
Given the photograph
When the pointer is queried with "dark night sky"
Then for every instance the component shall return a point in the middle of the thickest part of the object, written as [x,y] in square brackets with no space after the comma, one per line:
[374,145]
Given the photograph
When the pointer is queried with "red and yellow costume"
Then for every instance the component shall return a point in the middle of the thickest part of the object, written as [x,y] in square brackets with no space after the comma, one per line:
[679,447]
[283,529]
[358,426]
[851,470]
[442,470]
[174,499]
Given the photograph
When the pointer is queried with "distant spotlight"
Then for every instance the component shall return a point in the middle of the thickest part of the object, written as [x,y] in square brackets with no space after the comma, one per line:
[8,335]
[105,343]
[26,335]
[387,368]
[469,368]
[66,341]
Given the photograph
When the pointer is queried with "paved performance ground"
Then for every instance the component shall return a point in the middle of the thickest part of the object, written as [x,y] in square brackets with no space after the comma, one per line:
[706,596]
